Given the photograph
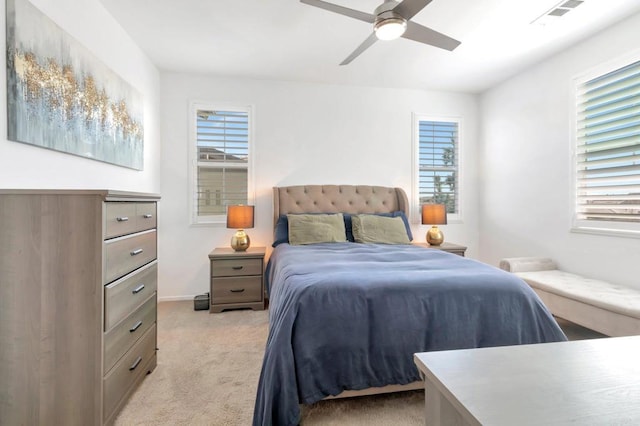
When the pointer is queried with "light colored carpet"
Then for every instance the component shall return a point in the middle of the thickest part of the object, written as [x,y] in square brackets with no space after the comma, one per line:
[208,369]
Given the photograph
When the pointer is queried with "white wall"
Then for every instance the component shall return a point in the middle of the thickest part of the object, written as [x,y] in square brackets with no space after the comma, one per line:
[28,166]
[304,134]
[526,202]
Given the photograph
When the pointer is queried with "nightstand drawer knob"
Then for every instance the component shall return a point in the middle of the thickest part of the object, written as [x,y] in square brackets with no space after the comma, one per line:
[135,327]
[122,219]
[237,268]
[236,290]
[136,252]
[135,364]
[147,216]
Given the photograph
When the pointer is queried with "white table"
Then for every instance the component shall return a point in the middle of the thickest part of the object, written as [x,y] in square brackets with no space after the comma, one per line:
[586,382]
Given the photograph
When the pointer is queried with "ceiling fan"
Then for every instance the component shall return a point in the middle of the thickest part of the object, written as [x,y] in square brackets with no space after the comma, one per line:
[391,20]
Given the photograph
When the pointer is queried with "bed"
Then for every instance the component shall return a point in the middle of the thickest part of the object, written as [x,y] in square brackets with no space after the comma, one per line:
[348,316]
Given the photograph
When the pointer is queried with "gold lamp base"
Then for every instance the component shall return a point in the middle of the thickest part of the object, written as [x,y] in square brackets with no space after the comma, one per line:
[240,241]
[435,237]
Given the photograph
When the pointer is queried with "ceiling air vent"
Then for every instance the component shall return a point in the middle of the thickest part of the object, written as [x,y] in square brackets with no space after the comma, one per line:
[557,11]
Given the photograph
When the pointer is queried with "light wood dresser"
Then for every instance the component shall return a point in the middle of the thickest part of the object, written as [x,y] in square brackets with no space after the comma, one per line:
[78,280]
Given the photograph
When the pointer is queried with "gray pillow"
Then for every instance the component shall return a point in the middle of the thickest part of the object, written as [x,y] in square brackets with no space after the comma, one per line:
[316,228]
[368,228]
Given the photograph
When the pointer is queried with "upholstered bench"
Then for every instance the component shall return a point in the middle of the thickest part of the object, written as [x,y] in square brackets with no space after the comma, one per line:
[608,308]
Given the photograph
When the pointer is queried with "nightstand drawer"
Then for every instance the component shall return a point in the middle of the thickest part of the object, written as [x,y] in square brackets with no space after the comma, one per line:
[235,267]
[125,254]
[237,290]
[119,339]
[122,296]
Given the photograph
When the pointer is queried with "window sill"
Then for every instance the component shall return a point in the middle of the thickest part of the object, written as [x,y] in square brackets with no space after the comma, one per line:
[625,233]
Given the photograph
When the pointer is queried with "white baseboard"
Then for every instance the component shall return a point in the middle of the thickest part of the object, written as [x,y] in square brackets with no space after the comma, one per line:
[175,298]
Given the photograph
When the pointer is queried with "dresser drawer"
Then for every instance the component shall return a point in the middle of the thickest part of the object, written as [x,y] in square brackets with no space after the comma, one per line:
[120,338]
[122,218]
[128,371]
[145,216]
[235,267]
[237,289]
[123,255]
[124,295]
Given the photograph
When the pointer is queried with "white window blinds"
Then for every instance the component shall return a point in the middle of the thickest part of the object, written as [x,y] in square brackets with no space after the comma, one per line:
[608,147]
[438,163]
[222,145]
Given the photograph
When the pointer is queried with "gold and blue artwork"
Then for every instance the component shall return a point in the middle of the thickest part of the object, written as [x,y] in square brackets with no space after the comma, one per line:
[61,97]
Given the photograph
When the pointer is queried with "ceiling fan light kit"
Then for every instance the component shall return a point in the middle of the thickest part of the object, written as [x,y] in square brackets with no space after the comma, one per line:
[390,20]
[390,28]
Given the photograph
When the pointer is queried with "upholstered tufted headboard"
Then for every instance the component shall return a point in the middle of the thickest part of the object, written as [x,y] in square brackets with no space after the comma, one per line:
[338,199]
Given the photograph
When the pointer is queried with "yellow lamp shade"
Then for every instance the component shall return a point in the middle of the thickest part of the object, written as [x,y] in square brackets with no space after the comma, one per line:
[240,217]
[434,214]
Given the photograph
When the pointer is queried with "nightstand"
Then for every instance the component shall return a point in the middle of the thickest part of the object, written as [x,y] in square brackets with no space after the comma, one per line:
[236,279]
[450,247]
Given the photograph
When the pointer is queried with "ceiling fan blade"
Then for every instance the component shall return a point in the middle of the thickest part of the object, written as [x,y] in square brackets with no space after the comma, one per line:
[352,13]
[364,46]
[409,8]
[417,32]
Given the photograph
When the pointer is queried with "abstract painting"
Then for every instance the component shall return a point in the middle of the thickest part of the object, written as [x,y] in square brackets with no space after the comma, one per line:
[61,97]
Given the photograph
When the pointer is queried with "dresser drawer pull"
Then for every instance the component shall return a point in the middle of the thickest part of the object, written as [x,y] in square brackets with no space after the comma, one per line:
[136,251]
[122,219]
[135,364]
[138,289]
[147,216]
[237,268]
[238,290]
[135,327]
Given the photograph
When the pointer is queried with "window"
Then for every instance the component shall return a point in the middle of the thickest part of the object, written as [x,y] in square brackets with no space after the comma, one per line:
[437,174]
[221,151]
[608,151]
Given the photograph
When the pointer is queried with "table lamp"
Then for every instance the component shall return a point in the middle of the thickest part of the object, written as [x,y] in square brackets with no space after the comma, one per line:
[434,214]
[240,217]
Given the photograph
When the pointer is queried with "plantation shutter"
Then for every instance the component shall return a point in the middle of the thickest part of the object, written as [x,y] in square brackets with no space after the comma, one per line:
[223,153]
[608,147]
[438,163]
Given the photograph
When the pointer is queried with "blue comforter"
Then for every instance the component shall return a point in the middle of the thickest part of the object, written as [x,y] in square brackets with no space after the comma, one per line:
[351,316]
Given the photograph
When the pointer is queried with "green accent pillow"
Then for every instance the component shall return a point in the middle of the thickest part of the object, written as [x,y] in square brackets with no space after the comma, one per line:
[369,228]
[316,228]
